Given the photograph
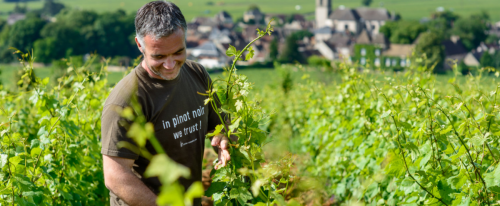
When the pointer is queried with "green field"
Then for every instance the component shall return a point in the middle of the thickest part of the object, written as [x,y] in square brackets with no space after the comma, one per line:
[260,77]
[409,9]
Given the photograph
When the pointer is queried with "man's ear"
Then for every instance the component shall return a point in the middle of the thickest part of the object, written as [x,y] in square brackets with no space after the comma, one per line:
[139,46]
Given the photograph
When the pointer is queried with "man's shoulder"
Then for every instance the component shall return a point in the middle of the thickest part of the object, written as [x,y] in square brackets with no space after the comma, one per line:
[123,90]
[195,67]
[196,70]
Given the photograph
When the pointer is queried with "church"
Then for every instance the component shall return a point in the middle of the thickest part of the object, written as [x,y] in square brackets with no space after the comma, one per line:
[352,20]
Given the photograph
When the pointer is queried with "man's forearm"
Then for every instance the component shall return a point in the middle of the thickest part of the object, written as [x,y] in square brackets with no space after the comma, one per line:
[131,189]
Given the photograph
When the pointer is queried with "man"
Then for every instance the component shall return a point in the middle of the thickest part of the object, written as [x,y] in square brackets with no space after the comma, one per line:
[166,86]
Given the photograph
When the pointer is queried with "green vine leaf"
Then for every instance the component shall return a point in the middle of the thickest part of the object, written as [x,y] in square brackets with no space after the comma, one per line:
[231,51]
[250,54]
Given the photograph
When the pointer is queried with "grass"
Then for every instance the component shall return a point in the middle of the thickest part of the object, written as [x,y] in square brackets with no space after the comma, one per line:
[259,77]
[409,9]
[8,75]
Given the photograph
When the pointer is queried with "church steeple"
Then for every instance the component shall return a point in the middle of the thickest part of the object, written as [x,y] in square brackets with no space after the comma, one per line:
[323,10]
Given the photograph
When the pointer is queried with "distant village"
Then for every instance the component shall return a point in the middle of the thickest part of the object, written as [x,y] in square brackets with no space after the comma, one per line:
[341,34]
[336,34]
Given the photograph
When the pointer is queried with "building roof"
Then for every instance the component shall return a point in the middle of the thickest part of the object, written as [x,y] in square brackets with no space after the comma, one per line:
[206,49]
[218,34]
[364,38]
[370,14]
[379,39]
[340,40]
[330,45]
[324,30]
[399,50]
[473,58]
[298,17]
[453,47]
[345,15]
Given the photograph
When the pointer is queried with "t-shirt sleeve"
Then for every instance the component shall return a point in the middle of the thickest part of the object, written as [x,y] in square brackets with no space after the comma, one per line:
[113,132]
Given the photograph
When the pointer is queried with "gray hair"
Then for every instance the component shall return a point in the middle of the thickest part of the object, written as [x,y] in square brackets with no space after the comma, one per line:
[159,19]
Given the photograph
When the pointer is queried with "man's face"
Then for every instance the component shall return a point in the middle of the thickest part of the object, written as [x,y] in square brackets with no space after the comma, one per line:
[164,57]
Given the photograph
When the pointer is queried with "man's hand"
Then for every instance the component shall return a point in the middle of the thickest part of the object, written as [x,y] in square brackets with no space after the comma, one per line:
[221,142]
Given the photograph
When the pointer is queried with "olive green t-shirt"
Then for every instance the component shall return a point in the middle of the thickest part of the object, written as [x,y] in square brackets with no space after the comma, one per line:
[177,111]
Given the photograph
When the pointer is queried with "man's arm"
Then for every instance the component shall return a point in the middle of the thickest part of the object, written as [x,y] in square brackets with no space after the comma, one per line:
[119,178]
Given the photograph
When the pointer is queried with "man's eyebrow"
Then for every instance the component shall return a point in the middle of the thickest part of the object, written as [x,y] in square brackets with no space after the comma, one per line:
[158,55]
[181,49]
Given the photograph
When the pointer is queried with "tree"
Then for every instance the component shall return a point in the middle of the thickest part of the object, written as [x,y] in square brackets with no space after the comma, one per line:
[463,68]
[472,31]
[442,23]
[303,33]
[486,60]
[273,50]
[366,2]
[291,52]
[447,17]
[253,7]
[3,23]
[115,34]
[492,39]
[430,45]
[496,60]
[44,50]
[24,33]
[402,32]
[61,38]
[52,8]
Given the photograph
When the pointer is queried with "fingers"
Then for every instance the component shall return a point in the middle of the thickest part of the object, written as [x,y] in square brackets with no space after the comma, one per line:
[216,140]
[224,157]
[224,143]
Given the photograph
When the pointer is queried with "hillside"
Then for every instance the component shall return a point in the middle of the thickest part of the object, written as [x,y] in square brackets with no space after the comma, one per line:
[409,9]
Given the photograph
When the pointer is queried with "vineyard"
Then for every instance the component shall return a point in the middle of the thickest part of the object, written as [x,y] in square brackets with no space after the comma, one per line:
[368,137]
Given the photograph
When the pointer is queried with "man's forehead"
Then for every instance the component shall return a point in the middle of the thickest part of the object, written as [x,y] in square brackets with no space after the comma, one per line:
[171,43]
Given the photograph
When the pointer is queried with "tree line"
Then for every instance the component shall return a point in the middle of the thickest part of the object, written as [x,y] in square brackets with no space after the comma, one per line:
[73,33]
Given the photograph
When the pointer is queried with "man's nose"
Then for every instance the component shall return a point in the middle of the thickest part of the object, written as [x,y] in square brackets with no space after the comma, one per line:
[169,63]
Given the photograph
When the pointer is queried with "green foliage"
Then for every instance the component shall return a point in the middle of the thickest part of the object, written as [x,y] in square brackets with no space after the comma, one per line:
[369,55]
[463,68]
[447,17]
[285,78]
[486,60]
[24,33]
[51,8]
[76,32]
[45,50]
[253,7]
[273,50]
[291,52]
[366,2]
[244,180]
[318,61]
[50,148]
[492,39]
[472,30]
[430,44]
[402,32]
[407,139]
